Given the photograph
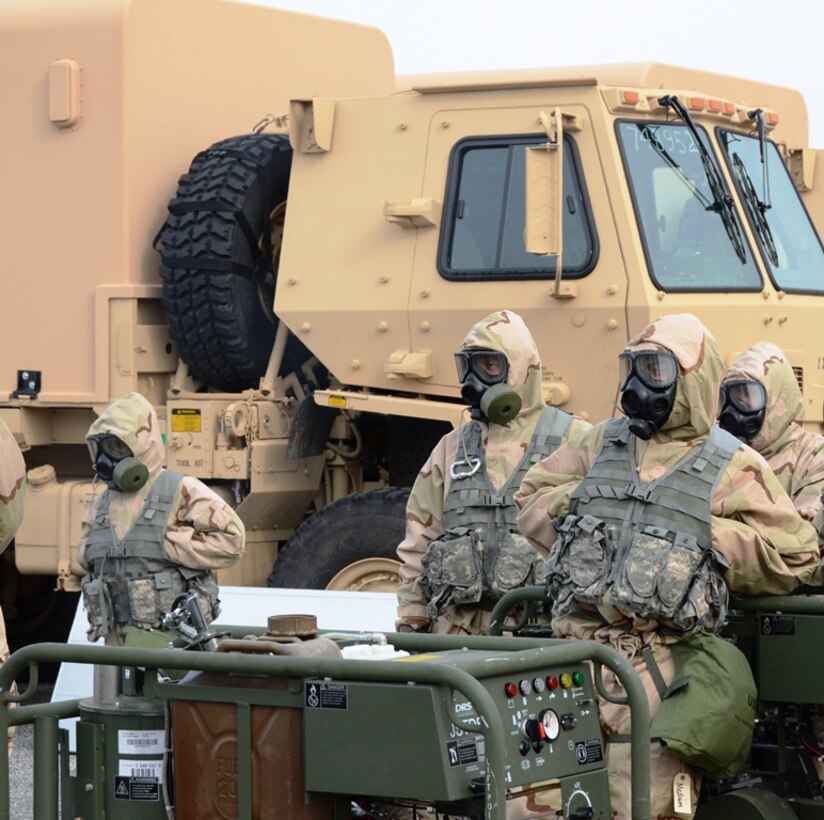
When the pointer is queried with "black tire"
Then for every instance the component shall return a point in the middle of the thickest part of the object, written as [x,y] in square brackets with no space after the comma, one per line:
[360,526]
[219,258]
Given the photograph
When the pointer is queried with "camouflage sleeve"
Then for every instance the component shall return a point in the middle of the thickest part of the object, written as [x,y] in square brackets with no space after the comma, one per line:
[12,486]
[85,529]
[547,486]
[204,532]
[424,512]
[770,548]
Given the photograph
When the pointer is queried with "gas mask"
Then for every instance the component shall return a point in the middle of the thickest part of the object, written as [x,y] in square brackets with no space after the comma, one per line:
[648,382]
[115,463]
[482,374]
[742,406]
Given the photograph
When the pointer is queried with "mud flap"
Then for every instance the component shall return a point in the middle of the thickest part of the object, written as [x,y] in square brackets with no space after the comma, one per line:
[310,429]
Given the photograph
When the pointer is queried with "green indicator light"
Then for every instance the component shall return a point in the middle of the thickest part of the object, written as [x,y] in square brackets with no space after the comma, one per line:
[578,678]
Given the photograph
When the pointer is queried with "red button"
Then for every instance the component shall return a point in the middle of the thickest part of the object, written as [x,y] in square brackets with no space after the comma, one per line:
[552,682]
[511,690]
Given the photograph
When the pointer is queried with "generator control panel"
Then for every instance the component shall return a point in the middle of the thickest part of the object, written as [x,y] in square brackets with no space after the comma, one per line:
[423,741]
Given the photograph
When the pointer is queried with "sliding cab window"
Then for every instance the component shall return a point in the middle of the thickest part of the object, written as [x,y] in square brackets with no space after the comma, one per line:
[690,228]
[483,230]
[786,237]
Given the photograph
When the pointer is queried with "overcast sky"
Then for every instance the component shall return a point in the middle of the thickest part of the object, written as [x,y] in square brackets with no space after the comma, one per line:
[775,42]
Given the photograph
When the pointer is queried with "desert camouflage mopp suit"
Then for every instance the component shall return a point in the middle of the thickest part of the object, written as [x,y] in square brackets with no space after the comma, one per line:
[12,490]
[761,544]
[795,455]
[200,532]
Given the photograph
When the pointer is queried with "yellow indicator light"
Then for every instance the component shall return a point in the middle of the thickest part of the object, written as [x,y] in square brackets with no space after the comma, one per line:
[578,678]
[337,401]
[566,680]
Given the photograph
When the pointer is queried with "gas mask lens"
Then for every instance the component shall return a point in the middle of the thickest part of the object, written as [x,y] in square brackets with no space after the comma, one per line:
[746,396]
[110,446]
[657,370]
[490,366]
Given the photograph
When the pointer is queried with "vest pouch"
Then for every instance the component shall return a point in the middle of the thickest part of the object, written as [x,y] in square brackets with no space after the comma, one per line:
[708,722]
[579,559]
[98,606]
[152,597]
[670,577]
[513,566]
[452,571]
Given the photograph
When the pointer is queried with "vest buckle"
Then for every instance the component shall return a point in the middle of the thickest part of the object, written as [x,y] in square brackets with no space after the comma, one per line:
[638,492]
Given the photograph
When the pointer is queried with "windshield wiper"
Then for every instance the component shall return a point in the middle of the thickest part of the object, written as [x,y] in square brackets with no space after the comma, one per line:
[722,202]
[756,209]
[758,115]
[662,152]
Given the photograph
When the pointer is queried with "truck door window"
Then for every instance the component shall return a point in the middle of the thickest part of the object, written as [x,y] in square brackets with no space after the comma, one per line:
[483,231]
[788,241]
[692,239]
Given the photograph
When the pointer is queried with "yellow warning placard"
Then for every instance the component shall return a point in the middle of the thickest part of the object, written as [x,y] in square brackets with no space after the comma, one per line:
[186,420]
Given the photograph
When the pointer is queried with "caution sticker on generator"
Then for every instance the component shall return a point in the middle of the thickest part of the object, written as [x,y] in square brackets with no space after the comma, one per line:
[325,695]
[186,420]
[140,789]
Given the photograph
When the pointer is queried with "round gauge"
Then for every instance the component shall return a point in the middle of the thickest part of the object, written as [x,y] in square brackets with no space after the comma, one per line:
[539,684]
[552,725]
[525,686]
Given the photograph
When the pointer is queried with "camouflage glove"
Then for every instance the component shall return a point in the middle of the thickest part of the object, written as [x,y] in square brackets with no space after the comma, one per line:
[413,625]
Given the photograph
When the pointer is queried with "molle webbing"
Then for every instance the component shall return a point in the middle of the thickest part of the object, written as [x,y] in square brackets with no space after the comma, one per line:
[145,538]
[471,502]
[679,501]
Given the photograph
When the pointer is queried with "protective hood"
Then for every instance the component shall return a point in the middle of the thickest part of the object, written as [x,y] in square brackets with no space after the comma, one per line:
[699,373]
[506,332]
[134,421]
[766,363]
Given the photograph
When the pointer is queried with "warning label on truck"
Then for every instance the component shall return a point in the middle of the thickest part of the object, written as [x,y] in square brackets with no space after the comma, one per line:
[186,420]
[589,751]
[325,695]
[136,788]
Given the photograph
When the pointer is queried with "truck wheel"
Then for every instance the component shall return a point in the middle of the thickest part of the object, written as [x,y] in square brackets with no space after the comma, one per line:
[347,545]
[219,249]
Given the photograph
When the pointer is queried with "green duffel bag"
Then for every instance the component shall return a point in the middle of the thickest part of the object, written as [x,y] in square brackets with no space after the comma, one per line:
[708,712]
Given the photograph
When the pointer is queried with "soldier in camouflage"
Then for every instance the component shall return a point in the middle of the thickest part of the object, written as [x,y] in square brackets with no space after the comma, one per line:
[152,534]
[12,490]
[762,404]
[649,520]
[453,566]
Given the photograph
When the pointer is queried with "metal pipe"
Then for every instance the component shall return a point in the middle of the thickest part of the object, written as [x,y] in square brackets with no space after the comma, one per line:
[46,769]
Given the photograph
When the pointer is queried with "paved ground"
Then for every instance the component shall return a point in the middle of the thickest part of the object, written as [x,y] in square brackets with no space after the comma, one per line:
[21,765]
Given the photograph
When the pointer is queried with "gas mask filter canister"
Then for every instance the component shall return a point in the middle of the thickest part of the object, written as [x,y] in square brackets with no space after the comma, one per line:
[115,463]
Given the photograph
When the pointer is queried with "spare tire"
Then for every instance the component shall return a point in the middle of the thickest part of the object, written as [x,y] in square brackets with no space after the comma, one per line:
[219,251]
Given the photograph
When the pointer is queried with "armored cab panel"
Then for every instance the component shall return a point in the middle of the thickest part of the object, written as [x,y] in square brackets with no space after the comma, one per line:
[398,209]
[106,103]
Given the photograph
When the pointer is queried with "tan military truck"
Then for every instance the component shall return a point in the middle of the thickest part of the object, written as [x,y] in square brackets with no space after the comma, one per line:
[291,303]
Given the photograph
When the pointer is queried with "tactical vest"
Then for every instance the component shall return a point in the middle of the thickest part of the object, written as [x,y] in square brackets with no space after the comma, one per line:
[482,553]
[132,581]
[645,548]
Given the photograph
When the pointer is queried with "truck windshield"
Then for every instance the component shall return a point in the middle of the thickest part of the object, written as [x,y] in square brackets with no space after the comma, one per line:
[789,243]
[693,240]
[483,232]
